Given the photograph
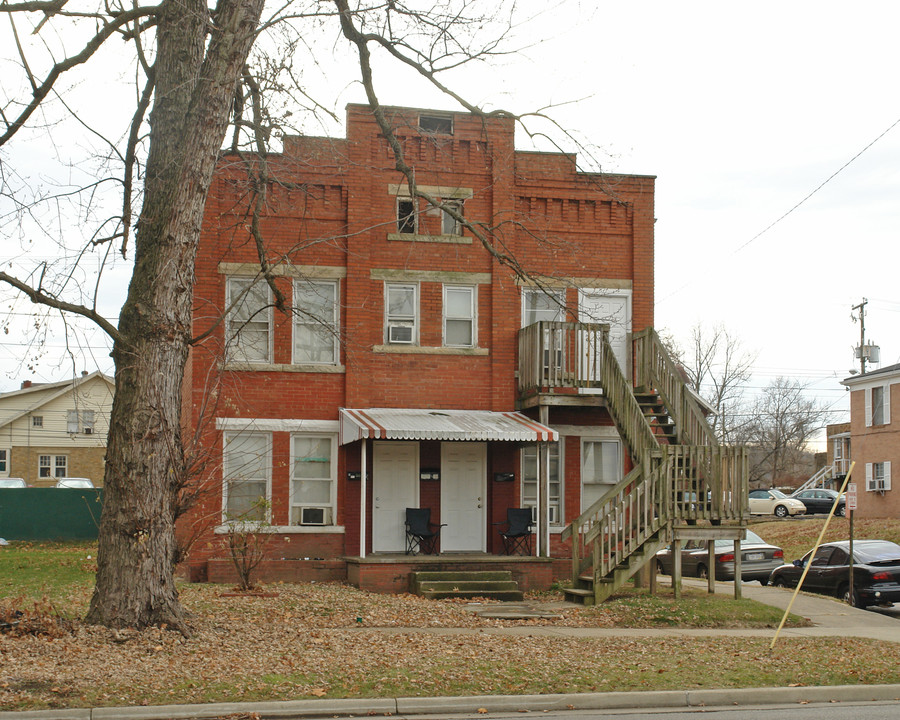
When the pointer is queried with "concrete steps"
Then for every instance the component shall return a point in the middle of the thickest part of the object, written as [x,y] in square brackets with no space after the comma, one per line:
[493,584]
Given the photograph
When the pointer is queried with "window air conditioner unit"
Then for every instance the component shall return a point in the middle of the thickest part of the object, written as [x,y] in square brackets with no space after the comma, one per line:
[313,515]
[400,333]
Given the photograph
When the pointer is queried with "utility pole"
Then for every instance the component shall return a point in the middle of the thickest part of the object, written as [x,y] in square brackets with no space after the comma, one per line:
[862,335]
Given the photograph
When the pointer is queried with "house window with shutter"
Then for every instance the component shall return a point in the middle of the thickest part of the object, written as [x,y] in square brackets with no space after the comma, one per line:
[878,476]
[878,405]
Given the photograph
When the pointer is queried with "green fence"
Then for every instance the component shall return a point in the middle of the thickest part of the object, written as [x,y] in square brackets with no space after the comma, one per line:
[50,513]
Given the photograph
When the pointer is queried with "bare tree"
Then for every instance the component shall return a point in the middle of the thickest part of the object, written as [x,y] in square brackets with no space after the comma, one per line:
[718,368]
[195,70]
[781,422]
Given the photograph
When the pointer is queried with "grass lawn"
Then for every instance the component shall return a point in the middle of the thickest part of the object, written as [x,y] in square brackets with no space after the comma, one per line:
[315,640]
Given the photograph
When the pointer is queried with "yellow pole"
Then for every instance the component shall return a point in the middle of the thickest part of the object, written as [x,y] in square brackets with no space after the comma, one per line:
[811,556]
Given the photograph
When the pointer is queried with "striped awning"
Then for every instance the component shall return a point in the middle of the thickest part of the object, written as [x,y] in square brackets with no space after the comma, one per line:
[423,424]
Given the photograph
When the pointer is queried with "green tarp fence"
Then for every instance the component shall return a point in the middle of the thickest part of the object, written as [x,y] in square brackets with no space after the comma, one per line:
[50,513]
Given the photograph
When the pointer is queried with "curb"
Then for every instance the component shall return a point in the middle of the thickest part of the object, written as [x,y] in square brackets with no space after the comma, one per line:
[491,703]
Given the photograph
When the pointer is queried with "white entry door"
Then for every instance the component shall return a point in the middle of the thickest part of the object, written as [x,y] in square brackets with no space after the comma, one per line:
[395,487]
[463,488]
[612,307]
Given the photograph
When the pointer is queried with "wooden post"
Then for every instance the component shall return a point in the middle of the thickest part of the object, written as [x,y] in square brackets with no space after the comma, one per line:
[711,564]
[737,569]
[676,568]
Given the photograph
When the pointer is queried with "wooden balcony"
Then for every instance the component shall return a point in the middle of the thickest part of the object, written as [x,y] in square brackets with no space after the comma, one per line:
[561,363]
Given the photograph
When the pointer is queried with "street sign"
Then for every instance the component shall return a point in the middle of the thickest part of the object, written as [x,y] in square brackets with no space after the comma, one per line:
[851,496]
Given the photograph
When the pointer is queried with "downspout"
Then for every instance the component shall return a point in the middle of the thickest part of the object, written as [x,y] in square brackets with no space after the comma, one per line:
[362,498]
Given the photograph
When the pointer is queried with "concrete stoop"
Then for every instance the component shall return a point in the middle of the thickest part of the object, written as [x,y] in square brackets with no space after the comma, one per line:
[492,584]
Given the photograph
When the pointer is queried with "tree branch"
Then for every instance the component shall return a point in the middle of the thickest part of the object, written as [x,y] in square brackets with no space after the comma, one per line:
[39,297]
[110,26]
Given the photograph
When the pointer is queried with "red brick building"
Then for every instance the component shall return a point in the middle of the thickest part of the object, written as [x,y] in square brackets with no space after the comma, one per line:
[875,439]
[398,373]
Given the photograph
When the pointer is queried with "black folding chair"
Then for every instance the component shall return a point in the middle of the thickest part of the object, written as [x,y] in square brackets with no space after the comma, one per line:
[517,535]
[421,534]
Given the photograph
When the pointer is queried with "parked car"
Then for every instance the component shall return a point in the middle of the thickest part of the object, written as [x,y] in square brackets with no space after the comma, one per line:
[73,482]
[12,483]
[876,572]
[758,559]
[820,500]
[774,502]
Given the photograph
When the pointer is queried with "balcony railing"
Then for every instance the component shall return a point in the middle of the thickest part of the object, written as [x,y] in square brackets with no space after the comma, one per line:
[560,356]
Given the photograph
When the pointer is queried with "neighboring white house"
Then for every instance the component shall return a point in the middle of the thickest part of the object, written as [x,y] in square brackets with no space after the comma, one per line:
[54,430]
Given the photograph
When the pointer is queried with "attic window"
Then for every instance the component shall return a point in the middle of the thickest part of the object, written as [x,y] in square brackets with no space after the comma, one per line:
[406,215]
[439,124]
[37,421]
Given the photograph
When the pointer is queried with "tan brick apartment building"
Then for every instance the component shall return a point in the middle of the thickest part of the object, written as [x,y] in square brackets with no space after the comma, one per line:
[54,430]
[875,438]
[397,374]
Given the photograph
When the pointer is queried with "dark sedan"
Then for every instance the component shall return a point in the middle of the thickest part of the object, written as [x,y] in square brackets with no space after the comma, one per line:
[876,572]
[758,559]
[820,500]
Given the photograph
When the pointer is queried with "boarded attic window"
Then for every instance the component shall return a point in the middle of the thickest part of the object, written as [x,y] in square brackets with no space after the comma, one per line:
[439,124]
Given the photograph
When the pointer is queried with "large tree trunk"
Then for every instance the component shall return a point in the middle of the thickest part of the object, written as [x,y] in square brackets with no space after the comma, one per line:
[144,462]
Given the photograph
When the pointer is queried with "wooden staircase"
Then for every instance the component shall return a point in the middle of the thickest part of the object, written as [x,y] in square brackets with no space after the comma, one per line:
[681,474]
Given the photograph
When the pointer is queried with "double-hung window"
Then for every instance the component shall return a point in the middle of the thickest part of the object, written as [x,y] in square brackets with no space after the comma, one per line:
[248,325]
[449,224]
[401,305]
[53,466]
[530,482]
[601,468]
[316,322]
[80,421]
[540,306]
[4,461]
[459,316]
[313,474]
[245,467]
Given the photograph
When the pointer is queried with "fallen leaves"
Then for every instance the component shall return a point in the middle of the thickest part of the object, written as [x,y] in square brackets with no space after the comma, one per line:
[307,643]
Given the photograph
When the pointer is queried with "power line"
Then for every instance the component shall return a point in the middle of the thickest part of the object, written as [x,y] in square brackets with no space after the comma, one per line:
[821,185]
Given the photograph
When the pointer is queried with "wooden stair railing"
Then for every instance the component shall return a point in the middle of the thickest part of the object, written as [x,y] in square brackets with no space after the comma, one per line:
[691,481]
[655,371]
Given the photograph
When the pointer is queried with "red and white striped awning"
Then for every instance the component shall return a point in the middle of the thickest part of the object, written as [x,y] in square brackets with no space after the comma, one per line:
[424,424]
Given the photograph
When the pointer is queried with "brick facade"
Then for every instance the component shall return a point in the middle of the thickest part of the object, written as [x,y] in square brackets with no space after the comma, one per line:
[331,216]
[87,462]
[875,441]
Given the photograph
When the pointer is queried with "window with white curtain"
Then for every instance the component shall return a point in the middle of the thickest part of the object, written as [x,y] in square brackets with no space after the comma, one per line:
[459,316]
[246,467]
[601,468]
[530,482]
[313,476]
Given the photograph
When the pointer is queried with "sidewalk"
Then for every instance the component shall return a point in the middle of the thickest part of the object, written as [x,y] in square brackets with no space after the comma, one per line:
[829,618]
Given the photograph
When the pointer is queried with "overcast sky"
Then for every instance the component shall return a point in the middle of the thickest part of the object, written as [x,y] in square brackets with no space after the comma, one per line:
[772,128]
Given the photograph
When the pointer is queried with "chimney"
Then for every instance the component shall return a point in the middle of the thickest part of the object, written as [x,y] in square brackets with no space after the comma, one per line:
[26,384]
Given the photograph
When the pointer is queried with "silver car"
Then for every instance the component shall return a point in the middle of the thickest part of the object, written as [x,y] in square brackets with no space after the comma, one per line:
[758,559]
